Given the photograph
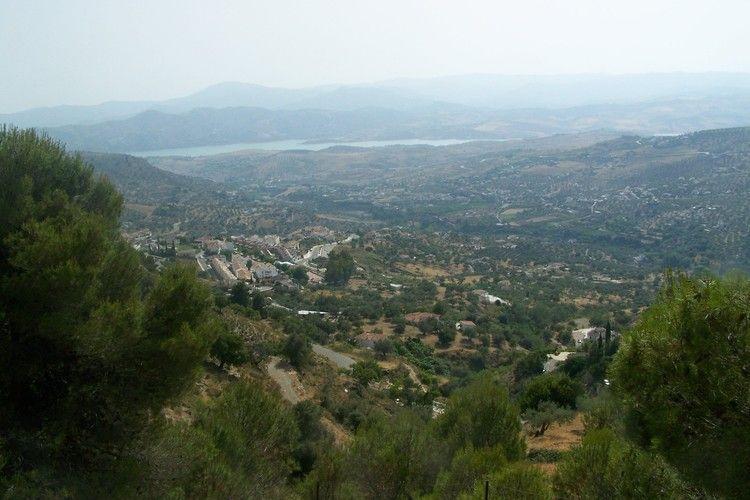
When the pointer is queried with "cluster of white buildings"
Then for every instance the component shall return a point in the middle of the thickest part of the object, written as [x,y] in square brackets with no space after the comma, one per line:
[239,268]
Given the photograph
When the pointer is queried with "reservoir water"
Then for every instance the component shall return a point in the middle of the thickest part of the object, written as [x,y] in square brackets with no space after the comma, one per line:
[290,144]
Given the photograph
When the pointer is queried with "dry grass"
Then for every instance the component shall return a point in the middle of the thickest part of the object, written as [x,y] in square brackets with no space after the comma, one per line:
[385,327]
[472,279]
[559,437]
[340,436]
[423,270]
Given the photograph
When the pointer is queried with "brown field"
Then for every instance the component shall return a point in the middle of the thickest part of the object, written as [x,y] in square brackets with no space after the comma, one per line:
[423,270]
[356,284]
[385,326]
[559,437]
[472,279]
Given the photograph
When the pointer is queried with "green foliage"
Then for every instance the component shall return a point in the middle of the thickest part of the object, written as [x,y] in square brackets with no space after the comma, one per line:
[297,349]
[229,349]
[544,455]
[601,412]
[240,294]
[446,335]
[340,267]
[529,365]
[605,466]
[545,414]
[517,480]
[329,479]
[468,466]
[383,347]
[86,360]
[299,275]
[307,415]
[482,415]
[258,302]
[366,371]
[239,447]
[420,355]
[393,458]
[555,387]
[682,374]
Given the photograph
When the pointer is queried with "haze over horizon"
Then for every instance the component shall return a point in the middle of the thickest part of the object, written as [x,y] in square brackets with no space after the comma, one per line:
[157,50]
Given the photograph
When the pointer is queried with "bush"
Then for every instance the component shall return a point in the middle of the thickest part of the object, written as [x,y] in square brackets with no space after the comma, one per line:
[468,465]
[383,347]
[395,458]
[545,414]
[339,268]
[366,371]
[529,365]
[482,415]
[298,350]
[605,466]
[517,480]
[555,387]
[240,446]
[229,349]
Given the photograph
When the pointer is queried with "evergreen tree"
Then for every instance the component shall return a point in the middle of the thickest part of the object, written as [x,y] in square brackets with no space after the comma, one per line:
[86,360]
[239,294]
[340,267]
[682,374]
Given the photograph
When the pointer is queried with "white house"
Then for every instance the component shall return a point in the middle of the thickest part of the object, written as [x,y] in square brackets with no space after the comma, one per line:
[263,270]
[592,333]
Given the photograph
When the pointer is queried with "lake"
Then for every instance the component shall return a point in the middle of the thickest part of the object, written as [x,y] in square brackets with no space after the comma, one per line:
[291,144]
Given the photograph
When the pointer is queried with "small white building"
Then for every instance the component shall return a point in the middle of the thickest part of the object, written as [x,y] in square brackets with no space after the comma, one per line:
[593,333]
[263,270]
[491,299]
[465,325]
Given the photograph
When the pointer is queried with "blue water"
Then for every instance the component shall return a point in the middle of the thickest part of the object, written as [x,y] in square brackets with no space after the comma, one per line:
[290,144]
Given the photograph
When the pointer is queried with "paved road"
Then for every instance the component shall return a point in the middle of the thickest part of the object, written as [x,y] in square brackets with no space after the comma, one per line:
[340,360]
[282,378]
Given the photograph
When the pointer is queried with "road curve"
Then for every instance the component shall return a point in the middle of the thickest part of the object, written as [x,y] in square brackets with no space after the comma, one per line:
[338,359]
[282,378]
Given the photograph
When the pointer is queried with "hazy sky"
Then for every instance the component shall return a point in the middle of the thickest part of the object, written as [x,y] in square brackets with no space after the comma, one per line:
[84,52]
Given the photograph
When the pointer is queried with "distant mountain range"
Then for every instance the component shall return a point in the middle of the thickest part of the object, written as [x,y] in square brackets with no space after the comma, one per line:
[460,107]
[154,130]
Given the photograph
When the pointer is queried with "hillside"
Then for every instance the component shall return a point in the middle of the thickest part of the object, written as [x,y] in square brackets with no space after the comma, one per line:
[647,201]
[140,181]
[157,130]
[412,119]
[159,200]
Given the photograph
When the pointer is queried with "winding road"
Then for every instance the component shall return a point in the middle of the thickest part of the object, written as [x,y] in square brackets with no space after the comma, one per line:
[282,378]
[340,360]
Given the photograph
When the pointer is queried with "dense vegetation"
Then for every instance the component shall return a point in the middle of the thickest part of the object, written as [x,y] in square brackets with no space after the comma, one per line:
[103,364]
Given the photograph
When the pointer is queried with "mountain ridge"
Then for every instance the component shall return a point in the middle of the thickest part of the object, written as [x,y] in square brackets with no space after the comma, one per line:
[491,91]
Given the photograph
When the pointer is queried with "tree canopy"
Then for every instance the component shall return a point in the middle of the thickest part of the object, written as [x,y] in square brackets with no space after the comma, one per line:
[340,267]
[88,354]
[682,374]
